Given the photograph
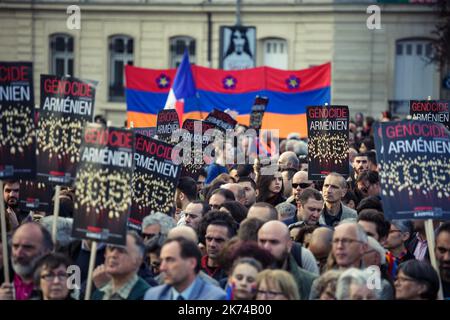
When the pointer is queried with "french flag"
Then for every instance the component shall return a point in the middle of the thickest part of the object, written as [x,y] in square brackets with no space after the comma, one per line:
[183,87]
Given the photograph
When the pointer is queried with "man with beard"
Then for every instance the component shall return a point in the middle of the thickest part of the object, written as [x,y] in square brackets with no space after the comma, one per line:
[11,198]
[29,243]
[360,164]
[180,265]
[274,237]
[443,256]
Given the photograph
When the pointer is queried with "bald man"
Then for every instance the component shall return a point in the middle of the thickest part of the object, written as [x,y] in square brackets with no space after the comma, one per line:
[320,245]
[238,191]
[300,182]
[289,164]
[274,237]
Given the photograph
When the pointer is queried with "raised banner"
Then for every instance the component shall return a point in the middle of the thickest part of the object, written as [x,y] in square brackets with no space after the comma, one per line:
[222,120]
[328,141]
[430,110]
[17,127]
[167,123]
[155,179]
[67,104]
[414,159]
[148,132]
[257,114]
[103,184]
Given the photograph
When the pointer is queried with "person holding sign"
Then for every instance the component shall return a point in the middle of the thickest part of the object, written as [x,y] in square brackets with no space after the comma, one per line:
[29,242]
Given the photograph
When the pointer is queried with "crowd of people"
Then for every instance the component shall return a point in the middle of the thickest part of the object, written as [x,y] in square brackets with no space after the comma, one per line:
[239,235]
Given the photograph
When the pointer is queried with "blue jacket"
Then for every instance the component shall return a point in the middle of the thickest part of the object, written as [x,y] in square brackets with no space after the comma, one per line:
[202,290]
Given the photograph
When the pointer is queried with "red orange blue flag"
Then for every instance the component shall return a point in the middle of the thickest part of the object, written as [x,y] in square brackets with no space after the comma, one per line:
[289,93]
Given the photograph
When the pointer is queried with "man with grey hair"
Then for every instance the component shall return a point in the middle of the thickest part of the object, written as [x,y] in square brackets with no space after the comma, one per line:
[285,211]
[349,245]
[334,211]
[353,285]
[30,242]
[157,225]
[399,234]
[121,265]
[375,254]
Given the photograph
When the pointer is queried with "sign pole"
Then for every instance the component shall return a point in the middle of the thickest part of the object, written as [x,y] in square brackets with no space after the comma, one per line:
[4,238]
[90,270]
[55,215]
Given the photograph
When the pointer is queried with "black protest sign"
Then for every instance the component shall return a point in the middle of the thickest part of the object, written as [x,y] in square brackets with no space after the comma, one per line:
[103,184]
[430,110]
[414,158]
[258,109]
[167,123]
[67,104]
[147,131]
[222,120]
[35,195]
[155,179]
[327,141]
[17,127]
[200,134]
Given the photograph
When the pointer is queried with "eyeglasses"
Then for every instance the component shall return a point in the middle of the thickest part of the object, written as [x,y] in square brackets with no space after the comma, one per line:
[301,185]
[269,294]
[344,241]
[51,276]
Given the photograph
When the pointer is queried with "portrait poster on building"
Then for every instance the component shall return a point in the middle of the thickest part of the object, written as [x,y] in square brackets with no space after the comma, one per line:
[67,104]
[237,47]
[257,113]
[103,184]
[200,134]
[35,195]
[155,179]
[222,120]
[17,126]
[167,122]
[430,110]
[328,130]
[414,159]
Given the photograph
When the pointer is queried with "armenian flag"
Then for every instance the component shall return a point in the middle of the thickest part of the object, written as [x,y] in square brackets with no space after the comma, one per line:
[289,93]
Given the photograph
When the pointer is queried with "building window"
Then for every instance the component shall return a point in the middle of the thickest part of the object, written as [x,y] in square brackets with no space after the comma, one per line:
[120,54]
[412,59]
[275,53]
[177,47]
[61,59]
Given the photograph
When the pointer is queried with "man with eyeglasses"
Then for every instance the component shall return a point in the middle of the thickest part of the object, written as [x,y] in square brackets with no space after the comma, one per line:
[368,184]
[122,264]
[334,211]
[349,245]
[156,225]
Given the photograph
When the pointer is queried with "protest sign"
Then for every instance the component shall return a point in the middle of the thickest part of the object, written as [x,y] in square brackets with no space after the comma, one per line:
[430,110]
[17,127]
[147,131]
[103,184]
[155,179]
[257,114]
[66,105]
[414,159]
[222,120]
[167,123]
[35,195]
[328,141]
